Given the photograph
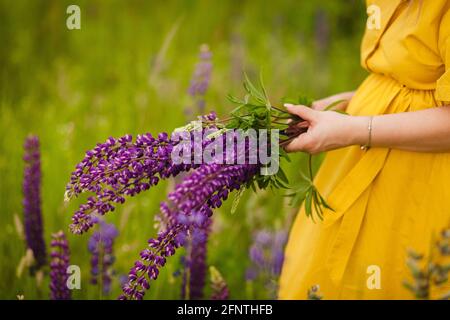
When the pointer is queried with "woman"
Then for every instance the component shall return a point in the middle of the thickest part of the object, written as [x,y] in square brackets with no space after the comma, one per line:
[393,194]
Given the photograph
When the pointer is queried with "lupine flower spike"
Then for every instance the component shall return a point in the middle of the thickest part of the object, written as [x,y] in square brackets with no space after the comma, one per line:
[101,247]
[32,201]
[267,256]
[60,257]
[200,79]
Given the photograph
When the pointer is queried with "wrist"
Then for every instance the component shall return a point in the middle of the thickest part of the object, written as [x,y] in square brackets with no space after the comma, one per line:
[358,130]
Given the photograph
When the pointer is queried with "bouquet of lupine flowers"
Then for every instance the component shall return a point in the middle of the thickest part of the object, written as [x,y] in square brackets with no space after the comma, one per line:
[219,156]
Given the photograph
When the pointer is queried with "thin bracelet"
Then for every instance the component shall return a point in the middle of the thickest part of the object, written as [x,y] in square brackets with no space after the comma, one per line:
[369,141]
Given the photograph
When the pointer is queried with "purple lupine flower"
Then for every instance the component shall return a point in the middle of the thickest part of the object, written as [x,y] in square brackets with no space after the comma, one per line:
[152,259]
[279,242]
[58,267]
[101,247]
[201,78]
[195,263]
[119,168]
[266,256]
[218,285]
[189,205]
[32,201]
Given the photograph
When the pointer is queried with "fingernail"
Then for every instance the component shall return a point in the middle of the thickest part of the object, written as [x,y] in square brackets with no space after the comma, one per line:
[287,105]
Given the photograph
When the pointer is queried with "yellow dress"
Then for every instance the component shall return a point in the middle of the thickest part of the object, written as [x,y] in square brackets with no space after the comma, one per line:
[386,201]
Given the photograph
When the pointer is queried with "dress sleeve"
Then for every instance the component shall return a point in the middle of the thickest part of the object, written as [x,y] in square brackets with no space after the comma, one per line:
[443,83]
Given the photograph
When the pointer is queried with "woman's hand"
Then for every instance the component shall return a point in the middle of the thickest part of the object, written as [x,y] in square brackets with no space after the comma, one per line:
[327,130]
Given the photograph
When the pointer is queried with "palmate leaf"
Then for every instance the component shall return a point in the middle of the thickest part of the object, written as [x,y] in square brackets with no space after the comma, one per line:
[299,193]
[307,193]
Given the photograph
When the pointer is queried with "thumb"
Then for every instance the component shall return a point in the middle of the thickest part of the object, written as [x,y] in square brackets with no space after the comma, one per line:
[303,112]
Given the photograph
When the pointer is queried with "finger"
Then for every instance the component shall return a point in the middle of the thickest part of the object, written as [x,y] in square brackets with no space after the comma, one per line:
[303,112]
[297,127]
[303,124]
[291,147]
[298,144]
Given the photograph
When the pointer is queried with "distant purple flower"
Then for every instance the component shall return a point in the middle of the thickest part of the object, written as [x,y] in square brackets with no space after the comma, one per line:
[266,255]
[32,201]
[101,247]
[278,251]
[195,263]
[58,267]
[251,274]
[189,205]
[201,78]
[119,168]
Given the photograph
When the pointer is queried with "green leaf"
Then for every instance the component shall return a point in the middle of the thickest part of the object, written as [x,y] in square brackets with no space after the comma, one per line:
[235,100]
[254,93]
[282,175]
[264,92]
[324,203]
[304,100]
[308,202]
[289,100]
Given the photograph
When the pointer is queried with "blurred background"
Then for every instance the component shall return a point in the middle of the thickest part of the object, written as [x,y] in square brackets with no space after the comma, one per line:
[128,70]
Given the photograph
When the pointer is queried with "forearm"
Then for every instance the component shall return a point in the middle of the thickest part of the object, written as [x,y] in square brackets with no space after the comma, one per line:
[324,103]
[421,131]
